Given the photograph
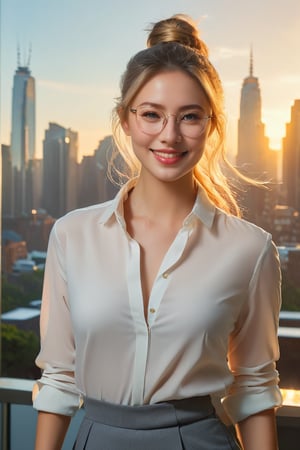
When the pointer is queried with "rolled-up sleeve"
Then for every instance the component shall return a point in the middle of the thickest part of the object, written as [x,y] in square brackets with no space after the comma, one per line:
[253,348]
[55,391]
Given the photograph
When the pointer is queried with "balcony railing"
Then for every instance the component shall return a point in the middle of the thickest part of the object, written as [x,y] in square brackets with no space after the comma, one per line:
[18,392]
[18,418]
[12,391]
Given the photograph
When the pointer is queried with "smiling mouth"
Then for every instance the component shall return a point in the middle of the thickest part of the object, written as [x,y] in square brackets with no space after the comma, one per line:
[168,155]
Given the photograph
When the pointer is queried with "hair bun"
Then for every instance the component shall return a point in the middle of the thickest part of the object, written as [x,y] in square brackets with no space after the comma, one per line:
[179,28]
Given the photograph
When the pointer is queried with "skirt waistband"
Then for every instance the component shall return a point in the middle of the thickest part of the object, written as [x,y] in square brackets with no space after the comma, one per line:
[158,415]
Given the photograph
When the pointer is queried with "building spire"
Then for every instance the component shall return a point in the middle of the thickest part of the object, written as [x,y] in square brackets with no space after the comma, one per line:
[29,56]
[251,61]
[26,59]
[18,56]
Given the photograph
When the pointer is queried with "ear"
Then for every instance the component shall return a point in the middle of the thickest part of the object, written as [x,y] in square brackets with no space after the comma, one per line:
[124,122]
[125,127]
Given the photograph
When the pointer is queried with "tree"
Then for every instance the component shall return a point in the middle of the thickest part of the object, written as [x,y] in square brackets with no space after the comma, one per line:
[21,289]
[19,350]
[290,295]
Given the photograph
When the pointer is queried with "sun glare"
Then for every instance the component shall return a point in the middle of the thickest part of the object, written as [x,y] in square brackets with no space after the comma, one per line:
[291,397]
[275,127]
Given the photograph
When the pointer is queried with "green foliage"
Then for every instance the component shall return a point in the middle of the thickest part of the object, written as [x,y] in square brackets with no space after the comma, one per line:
[12,296]
[31,284]
[19,347]
[24,288]
[19,350]
[290,295]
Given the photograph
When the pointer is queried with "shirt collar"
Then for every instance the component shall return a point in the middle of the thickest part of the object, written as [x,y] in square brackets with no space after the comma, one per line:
[116,205]
[203,209]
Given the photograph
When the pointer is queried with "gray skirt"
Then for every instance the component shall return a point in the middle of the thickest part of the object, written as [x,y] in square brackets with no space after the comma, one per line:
[189,424]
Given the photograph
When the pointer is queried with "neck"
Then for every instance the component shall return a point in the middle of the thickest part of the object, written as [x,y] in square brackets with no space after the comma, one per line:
[165,201]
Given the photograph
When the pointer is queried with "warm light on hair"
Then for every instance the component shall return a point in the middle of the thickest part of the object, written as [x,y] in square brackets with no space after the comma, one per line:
[175,44]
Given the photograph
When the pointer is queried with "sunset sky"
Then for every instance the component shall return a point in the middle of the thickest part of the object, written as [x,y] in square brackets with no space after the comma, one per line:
[80,49]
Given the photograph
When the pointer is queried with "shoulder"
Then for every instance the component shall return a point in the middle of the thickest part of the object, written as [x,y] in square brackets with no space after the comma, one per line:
[246,247]
[242,234]
[83,218]
[243,228]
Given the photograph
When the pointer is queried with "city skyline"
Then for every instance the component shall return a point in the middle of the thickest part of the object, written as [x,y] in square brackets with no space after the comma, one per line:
[80,49]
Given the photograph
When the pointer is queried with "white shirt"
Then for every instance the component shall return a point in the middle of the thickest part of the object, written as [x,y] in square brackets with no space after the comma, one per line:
[212,317]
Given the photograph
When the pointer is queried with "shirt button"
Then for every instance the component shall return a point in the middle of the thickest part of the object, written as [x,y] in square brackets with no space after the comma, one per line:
[165,274]
[152,310]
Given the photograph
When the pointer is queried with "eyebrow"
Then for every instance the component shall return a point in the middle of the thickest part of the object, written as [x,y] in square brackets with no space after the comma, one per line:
[182,108]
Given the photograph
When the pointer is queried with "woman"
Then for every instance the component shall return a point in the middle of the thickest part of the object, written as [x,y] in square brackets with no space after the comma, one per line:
[163,298]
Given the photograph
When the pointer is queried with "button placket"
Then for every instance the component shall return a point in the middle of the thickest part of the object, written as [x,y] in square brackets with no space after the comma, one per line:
[163,279]
[141,329]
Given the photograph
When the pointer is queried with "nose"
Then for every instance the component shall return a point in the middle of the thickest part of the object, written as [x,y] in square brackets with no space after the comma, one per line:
[170,132]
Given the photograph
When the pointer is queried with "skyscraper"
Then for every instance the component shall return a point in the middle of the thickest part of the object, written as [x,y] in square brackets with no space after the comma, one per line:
[103,156]
[252,143]
[22,139]
[6,180]
[60,170]
[254,156]
[291,158]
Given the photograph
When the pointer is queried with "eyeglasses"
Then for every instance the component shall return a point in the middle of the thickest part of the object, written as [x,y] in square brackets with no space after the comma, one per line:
[151,120]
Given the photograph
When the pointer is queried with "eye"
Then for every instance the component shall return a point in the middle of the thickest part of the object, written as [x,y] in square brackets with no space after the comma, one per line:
[191,117]
[151,115]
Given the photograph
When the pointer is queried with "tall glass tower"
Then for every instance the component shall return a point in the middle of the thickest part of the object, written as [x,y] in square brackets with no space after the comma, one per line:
[22,139]
[60,170]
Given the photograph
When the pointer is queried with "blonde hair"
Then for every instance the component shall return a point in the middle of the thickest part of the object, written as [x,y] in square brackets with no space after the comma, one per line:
[175,44]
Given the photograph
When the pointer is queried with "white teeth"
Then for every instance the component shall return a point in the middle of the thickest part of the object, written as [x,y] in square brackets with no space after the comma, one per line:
[168,155]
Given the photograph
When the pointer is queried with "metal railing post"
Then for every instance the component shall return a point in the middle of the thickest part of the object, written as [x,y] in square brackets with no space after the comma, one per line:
[5,426]
[12,391]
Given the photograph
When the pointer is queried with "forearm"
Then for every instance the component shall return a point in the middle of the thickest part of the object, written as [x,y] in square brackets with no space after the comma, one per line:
[258,431]
[51,430]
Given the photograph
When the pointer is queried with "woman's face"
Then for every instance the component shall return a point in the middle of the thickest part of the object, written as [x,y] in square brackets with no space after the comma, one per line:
[168,123]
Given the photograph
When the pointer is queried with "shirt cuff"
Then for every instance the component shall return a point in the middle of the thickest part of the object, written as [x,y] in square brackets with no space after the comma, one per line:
[239,406]
[50,399]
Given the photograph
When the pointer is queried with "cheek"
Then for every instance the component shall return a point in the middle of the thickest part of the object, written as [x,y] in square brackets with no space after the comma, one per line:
[140,141]
[131,130]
